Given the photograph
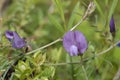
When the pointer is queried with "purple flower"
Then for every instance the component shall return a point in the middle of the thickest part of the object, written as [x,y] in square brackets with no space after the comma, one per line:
[118,44]
[112,25]
[9,35]
[15,39]
[74,43]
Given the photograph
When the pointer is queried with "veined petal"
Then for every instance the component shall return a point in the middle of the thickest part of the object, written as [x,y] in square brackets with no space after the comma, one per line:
[68,40]
[18,42]
[73,50]
[118,44]
[74,43]
[80,41]
[9,35]
[112,25]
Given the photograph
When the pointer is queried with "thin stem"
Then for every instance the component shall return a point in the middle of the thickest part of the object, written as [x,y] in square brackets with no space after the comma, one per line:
[38,49]
[88,12]
[76,25]
[72,68]
[83,60]
[85,72]
[90,9]
[111,47]
[60,64]
[117,75]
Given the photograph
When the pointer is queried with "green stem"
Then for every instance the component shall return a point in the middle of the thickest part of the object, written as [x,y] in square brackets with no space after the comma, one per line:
[38,49]
[72,68]
[59,39]
[86,77]
[83,60]
[84,72]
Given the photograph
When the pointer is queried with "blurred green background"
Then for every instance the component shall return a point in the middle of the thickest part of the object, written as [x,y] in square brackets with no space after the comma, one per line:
[43,21]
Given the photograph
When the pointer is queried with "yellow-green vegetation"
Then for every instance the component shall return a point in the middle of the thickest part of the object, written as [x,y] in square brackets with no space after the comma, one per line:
[43,24]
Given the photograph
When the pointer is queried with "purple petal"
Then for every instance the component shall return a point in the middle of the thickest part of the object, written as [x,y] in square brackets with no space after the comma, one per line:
[81,42]
[112,25]
[74,43]
[68,40]
[9,35]
[73,50]
[18,42]
[118,44]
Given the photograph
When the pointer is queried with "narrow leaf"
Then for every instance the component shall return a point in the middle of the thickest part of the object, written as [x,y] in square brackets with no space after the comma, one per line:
[99,8]
[72,17]
[56,24]
[60,8]
[114,4]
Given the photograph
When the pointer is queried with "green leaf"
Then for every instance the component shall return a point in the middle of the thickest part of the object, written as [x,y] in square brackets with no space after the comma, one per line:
[56,54]
[48,72]
[72,17]
[99,8]
[56,24]
[60,8]
[106,2]
[114,4]
[36,54]
[37,59]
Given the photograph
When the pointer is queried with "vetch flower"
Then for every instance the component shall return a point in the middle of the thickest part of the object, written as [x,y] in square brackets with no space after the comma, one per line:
[118,44]
[9,35]
[112,25]
[15,39]
[74,43]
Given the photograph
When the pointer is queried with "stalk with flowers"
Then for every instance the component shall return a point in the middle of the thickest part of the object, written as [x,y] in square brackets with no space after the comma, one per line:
[38,64]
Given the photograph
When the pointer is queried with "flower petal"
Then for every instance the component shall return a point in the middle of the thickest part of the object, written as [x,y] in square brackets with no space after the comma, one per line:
[73,50]
[9,35]
[118,44]
[18,42]
[68,40]
[112,25]
[80,41]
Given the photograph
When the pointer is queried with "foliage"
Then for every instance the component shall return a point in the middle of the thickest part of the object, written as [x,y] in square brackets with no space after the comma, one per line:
[43,21]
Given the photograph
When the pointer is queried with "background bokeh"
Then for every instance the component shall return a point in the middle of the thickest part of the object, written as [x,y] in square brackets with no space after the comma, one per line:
[43,21]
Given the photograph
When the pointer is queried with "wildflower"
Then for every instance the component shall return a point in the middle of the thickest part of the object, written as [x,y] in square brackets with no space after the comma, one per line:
[15,39]
[118,44]
[74,43]
[112,27]
[9,35]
